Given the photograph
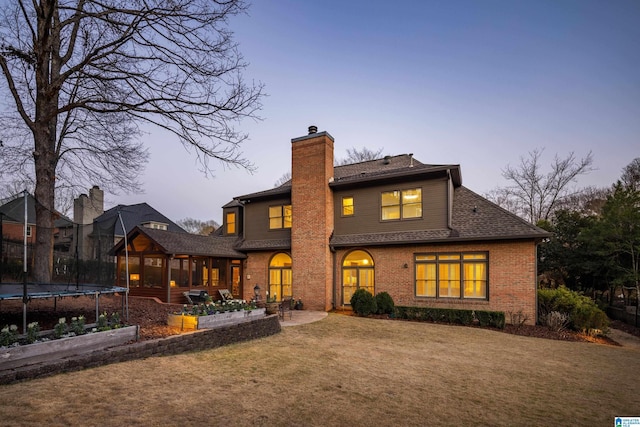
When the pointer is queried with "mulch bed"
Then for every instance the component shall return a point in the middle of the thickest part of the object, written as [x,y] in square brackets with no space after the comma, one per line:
[148,313]
[538,331]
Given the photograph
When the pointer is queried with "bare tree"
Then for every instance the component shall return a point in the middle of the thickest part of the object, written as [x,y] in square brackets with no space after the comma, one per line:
[196,226]
[286,177]
[588,201]
[631,175]
[535,194]
[83,79]
[355,155]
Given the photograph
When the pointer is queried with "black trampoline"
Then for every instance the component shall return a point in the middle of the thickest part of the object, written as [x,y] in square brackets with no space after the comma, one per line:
[32,291]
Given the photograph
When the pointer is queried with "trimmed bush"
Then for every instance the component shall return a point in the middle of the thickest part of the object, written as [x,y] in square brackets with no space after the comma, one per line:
[494,319]
[385,303]
[490,318]
[584,314]
[363,303]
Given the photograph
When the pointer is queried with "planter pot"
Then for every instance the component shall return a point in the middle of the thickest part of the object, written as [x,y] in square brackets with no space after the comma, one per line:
[187,322]
[71,346]
[272,307]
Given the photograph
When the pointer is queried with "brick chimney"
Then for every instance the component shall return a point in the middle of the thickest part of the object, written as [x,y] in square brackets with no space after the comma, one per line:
[85,210]
[312,218]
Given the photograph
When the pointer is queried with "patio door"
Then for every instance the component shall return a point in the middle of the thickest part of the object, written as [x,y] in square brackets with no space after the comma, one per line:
[357,273]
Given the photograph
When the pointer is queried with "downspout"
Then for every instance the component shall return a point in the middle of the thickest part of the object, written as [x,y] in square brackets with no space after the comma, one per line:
[449,200]
[333,276]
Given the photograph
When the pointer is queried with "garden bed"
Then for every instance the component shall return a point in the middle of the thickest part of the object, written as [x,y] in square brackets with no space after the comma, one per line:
[29,354]
[187,322]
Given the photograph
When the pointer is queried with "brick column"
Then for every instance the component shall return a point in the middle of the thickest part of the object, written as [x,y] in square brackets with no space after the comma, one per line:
[312,222]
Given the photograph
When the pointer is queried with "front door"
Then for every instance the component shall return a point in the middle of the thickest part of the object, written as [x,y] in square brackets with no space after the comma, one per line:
[235,281]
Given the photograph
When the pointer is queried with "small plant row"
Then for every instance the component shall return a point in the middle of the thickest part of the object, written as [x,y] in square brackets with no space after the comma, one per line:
[494,319]
[211,307]
[9,333]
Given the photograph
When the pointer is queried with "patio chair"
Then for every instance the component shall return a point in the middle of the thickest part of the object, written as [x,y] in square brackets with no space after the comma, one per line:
[285,307]
[227,296]
[195,297]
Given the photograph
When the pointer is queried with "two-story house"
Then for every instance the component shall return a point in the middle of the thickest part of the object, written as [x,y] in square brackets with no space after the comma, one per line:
[395,224]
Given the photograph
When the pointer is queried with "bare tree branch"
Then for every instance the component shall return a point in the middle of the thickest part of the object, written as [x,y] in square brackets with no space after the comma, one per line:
[355,155]
[83,77]
[535,195]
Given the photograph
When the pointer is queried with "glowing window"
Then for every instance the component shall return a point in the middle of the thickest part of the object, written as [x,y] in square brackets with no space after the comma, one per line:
[403,204]
[231,223]
[347,206]
[452,275]
[280,217]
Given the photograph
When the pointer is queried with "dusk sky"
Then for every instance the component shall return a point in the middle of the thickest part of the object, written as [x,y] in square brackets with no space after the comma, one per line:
[475,83]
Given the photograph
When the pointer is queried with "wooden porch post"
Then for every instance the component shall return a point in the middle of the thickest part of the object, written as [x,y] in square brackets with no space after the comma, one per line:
[168,267]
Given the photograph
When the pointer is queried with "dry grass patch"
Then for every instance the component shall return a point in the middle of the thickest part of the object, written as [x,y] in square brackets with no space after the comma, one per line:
[347,371]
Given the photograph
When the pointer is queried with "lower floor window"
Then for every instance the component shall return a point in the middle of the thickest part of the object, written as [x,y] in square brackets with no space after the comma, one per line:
[452,275]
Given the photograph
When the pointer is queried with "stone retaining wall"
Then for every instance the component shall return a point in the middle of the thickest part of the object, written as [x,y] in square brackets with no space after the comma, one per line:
[193,341]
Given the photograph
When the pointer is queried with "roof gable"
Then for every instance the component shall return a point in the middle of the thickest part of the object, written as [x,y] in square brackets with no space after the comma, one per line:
[132,216]
[181,243]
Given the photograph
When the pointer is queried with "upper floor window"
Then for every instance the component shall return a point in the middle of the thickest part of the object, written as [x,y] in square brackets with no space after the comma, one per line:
[231,223]
[279,217]
[28,231]
[452,275]
[155,225]
[347,206]
[403,204]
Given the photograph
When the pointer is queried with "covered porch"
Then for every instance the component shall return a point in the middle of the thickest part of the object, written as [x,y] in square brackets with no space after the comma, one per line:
[165,264]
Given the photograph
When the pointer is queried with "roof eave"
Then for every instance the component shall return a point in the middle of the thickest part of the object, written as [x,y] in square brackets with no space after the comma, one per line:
[536,237]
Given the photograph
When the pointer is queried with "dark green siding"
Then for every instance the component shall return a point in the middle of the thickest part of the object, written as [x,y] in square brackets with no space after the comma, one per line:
[367,209]
[256,225]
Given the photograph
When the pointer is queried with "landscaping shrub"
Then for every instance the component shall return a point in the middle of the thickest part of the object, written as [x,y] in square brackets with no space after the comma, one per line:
[385,303]
[490,318]
[363,303]
[583,313]
[557,321]
[463,317]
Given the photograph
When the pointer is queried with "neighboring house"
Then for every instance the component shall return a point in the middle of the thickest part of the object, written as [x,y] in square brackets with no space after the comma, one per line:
[12,220]
[395,225]
[100,230]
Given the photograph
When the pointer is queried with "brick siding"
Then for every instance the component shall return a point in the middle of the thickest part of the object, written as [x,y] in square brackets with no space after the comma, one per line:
[512,276]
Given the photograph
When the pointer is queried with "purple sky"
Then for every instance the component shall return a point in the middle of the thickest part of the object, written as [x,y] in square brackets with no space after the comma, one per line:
[475,83]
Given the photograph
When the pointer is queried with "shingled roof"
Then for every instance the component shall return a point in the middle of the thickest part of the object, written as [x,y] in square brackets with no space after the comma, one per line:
[13,211]
[180,243]
[371,170]
[264,245]
[133,215]
[474,218]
